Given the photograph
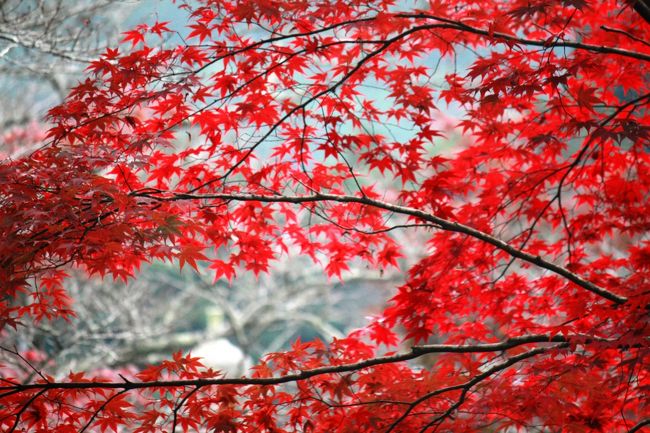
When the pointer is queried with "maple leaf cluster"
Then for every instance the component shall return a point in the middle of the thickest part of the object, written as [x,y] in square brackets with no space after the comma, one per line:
[318,128]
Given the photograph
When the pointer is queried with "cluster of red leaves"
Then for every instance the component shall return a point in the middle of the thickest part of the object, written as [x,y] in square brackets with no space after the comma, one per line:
[298,127]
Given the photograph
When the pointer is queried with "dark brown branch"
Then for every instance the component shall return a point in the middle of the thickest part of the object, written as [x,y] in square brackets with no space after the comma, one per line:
[639,425]
[465,387]
[441,223]
[23,408]
[101,408]
[179,407]
[642,7]
[415,352]
[17,354]
[624,33]
[600,49]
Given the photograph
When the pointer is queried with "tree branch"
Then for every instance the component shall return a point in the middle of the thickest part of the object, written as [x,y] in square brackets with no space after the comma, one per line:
[415,352]
[642,7]
[639,425]
[441,223]
[601,49]
[465,387]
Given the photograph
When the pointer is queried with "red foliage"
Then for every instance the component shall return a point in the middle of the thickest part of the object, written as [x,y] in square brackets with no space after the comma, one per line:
[217,150]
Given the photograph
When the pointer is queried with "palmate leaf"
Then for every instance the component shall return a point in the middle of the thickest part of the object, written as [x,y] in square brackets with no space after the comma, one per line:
[518,176]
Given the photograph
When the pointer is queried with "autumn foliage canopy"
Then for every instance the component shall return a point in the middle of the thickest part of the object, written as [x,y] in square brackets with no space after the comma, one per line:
[510,138]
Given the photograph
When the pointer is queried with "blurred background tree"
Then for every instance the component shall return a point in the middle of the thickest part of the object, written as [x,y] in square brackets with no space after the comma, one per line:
[44,47]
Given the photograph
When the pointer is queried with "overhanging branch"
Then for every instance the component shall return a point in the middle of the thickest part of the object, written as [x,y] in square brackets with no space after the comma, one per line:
[441,223]
[642,7]
[415,352]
